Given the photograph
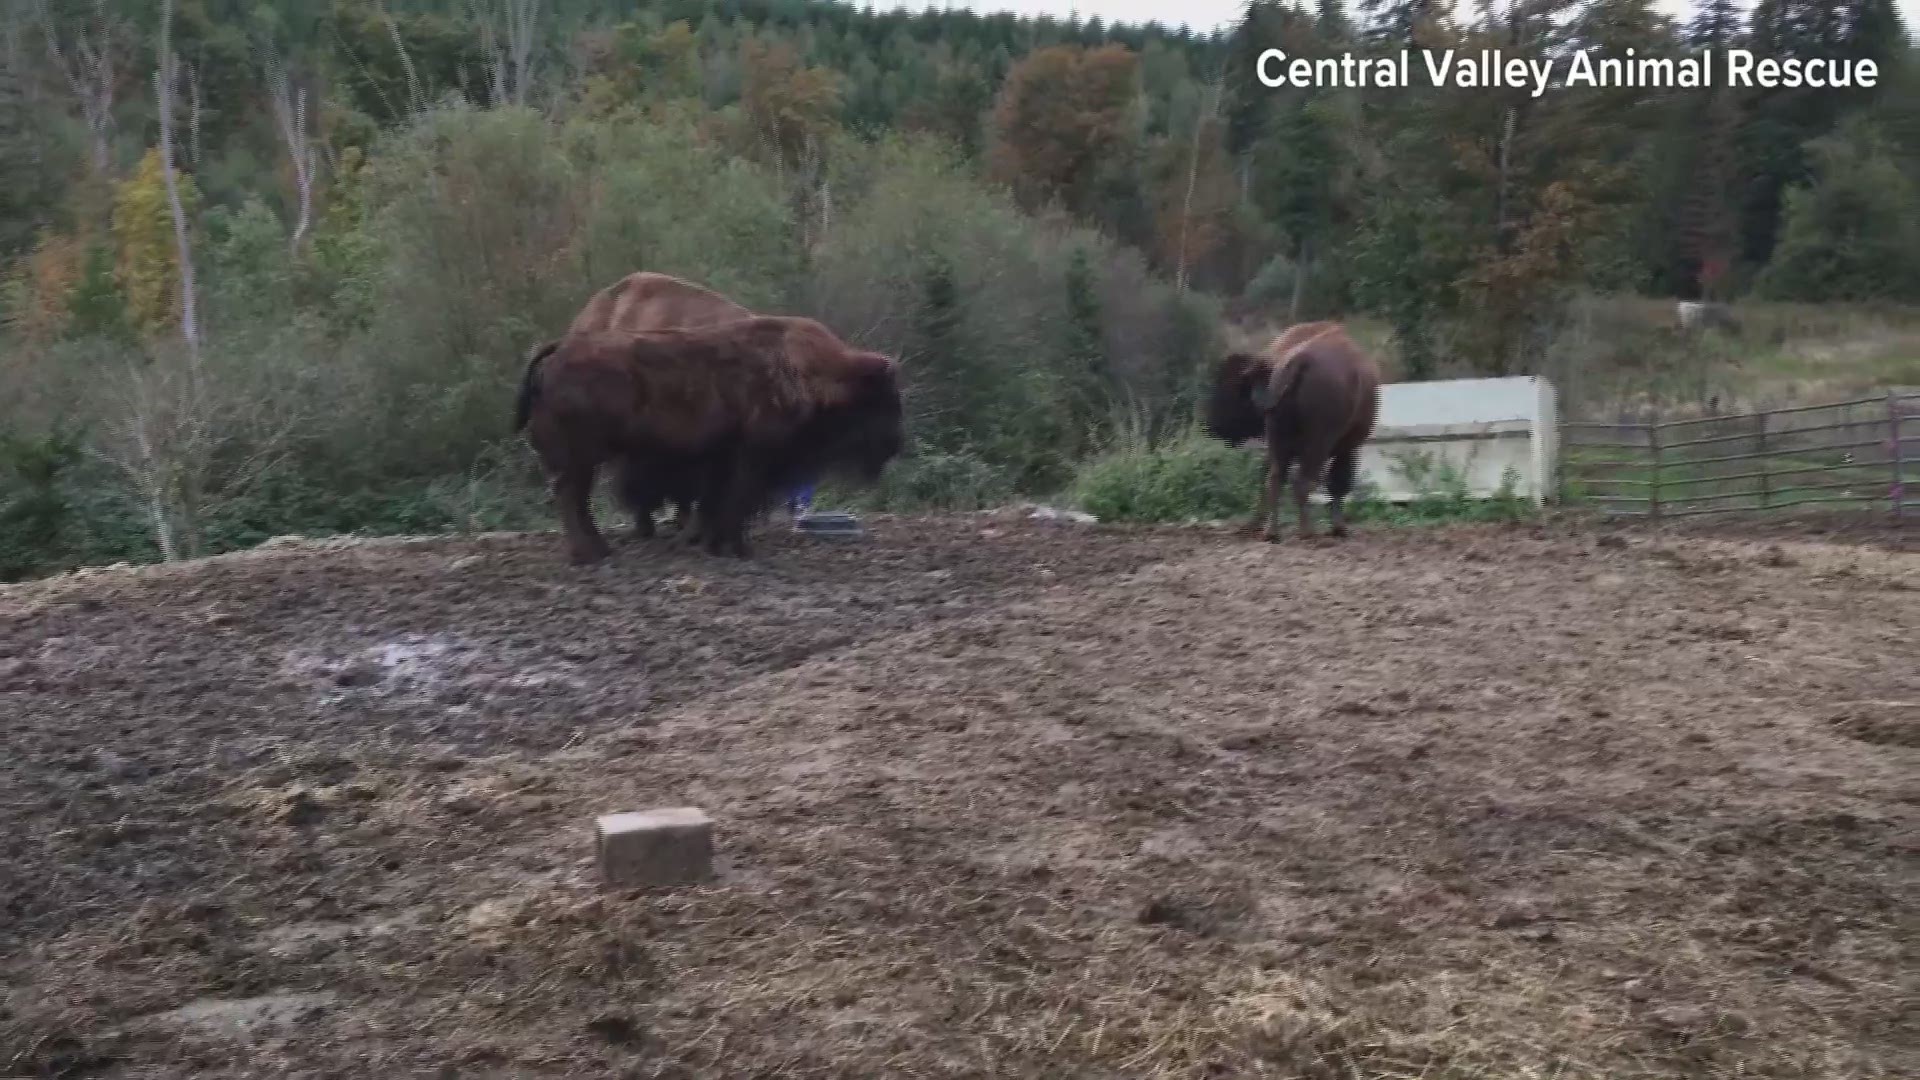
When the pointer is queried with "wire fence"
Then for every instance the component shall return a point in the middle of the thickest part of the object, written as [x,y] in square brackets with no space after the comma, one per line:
[1849,454]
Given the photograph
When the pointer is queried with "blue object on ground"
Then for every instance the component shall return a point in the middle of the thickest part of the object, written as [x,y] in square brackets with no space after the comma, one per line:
[800,500]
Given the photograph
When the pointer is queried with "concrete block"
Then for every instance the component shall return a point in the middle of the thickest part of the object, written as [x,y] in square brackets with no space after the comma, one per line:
[672,846]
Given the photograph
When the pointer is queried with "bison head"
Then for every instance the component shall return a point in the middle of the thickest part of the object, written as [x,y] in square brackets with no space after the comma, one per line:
[867,430]
[1233,413]
[882,427]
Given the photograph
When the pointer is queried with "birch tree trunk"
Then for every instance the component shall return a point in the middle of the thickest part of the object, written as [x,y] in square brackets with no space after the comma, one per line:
[509,63]
[290,114]
[1193,175]
[166,82]
[193,117]
[188,456]
[89,74]
[149,470]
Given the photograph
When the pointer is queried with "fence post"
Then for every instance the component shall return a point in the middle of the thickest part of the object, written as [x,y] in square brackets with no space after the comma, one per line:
[1653,480]
[1760,450]
[1893,438]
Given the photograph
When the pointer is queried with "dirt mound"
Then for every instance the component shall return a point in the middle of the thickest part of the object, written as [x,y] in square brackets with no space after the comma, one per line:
[993,796]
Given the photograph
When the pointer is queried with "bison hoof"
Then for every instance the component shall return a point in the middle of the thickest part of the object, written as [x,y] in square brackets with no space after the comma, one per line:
[588,558]
[1270,536]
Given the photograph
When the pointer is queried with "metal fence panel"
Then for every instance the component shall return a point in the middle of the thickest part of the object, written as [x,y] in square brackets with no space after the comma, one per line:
[1860,452]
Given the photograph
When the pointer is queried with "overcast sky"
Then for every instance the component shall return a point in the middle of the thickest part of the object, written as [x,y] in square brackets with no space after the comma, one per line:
[1204,15]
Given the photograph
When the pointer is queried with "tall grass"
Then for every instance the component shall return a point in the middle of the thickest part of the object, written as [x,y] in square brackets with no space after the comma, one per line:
[1193,478]
[1625,356]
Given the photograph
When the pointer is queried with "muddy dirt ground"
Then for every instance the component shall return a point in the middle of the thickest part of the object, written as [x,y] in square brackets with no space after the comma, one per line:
[993,798]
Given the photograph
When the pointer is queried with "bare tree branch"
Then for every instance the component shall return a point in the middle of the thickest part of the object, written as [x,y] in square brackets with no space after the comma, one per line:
[193,116]
[415,101]
[509,62]
[87,67]
[144,466]
[290,114]
[1193,175]
[166,83]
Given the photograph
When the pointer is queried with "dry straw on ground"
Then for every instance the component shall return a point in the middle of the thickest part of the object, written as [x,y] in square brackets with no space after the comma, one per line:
[992,798]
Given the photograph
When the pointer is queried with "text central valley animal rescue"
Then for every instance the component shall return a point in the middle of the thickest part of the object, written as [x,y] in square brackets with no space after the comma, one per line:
[1491,68]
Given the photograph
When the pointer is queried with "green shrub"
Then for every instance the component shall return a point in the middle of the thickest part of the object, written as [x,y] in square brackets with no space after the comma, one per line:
[1441,495]
[1199,479]
[932,480]
[1192,479]
[35,510]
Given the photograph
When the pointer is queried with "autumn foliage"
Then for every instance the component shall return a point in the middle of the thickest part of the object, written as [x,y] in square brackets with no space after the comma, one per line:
[1064,114]
[148,266]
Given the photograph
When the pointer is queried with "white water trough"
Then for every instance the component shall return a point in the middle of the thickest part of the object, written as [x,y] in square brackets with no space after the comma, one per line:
[1479,430]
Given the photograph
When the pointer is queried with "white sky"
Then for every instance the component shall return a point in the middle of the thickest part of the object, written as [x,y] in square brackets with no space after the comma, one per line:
[1204,15]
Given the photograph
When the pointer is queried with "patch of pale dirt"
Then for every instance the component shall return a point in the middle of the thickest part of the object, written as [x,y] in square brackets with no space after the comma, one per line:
[993,797]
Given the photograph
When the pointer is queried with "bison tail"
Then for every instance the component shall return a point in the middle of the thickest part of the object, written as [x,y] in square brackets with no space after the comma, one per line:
[530,386]
[1288,379]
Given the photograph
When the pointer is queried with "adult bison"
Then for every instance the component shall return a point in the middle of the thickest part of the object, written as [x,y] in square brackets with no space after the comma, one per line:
[650,301]
[639,302]
[762,401]
[1314,396]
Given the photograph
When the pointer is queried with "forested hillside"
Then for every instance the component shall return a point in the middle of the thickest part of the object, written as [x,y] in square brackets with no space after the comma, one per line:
[273,266]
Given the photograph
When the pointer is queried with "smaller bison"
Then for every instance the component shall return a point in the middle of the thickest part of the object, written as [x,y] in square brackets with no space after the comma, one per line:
[751,406]
[1313,395]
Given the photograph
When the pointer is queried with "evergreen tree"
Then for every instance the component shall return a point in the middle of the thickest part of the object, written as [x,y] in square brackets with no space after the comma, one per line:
[1084,345]
[942,394]
[1400,22]
[26,191]
[1854,233]
[1298,167]
[1333,21]
[1785,120]
[1716,26]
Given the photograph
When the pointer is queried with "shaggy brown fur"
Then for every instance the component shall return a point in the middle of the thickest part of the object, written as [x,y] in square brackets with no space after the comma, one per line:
[762,401]
[649,301]
[1314,395]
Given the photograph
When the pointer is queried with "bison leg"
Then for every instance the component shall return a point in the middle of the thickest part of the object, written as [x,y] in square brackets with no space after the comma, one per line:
[573,494]
[1283,463]
[1311,466]
[727,533]
[1282,459]
[638,496]
[569,474]
[723,506]
[1340,475]
[1269,491]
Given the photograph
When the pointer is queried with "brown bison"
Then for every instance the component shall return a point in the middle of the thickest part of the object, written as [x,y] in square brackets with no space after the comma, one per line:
[651,301]
[1314,396]
[759,402]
